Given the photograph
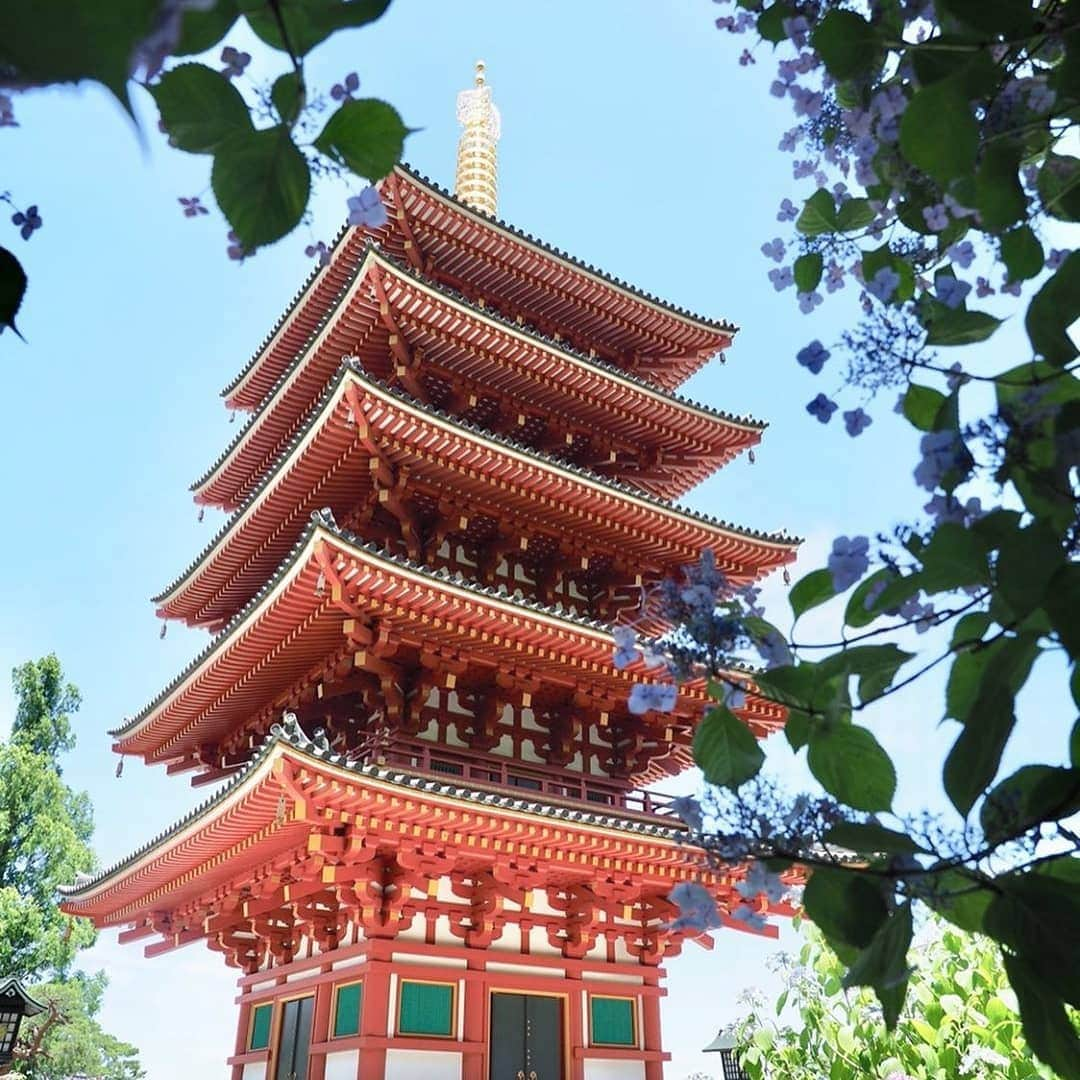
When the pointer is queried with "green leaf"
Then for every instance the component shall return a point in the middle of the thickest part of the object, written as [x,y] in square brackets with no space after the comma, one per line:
[810,591]
[818,215]
[922,405]
[261,182]
[770,24]
[953,558]
[956,326]
[970,629]
[808,272]
[1054,308]
[975,756]
[308,22]
[853,213]
[1059,186]
[883,963]
[873,261]
[1047,1027]
[12,288]
[850,763]
[999,198]
[1029,558]
[58,41]
[200,108]
[792,686]
[862,608]
[1001,668]
[847,43]
[287,96]
[938,132]
[991,16]
[870,838]
[1062,604]
[1022,253]
[201,29]
[876,666]
[366,136]
[725,749]
[961,899]
[845,906]
[1032,794]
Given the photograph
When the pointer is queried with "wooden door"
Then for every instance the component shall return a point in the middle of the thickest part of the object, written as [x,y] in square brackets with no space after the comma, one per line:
[526,1037]
[294,1040]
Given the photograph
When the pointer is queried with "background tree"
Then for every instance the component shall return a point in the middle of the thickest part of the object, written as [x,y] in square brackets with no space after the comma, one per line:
[937,136]
[268,140]
[960,1019]
[45,831]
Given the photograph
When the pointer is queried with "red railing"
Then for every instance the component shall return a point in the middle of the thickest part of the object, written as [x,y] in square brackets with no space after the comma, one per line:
[586,792]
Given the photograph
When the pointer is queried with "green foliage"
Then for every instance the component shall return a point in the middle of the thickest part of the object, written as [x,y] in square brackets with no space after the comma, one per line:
[725,748]
[200,108]
[367,136]
[847,43]
[960,1018]
[12,288]
[72,1041]
[307,23]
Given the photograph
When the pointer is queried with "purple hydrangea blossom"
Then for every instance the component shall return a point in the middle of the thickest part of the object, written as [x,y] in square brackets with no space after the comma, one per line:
[774,250]
[787,212]
[942,451]
[778,89]
[366,209]
[856,421]
[782,278]
[697,908]
[957,209]
[808,301]
[319,251]
[688,809]
[936,217]
[848,561]
[751,919]
[922,615]
[962,253]
[983,288]
[807,102]
[1041,98]
[235,250]
[1011,287]
[790,138]
[344,90]
[646,697]
[800,170]
[834,277]
[193,207]
[883,284]
[759,882]
[773,649]
[746,58]
[626,650]
[1055,258]
[956,376]
[813,356]
[235,62]
[872,594]
[951,291]
[797,30]
[945,508]
[822,408]
[28,221]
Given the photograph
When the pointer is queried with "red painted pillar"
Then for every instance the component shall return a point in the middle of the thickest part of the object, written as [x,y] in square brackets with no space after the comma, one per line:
[474,1061]
[242,1027]
[575,1024]
[374,1015]
[650,1024]
[320,1028]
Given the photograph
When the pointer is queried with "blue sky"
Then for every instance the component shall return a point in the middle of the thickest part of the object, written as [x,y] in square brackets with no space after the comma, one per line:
[632,138]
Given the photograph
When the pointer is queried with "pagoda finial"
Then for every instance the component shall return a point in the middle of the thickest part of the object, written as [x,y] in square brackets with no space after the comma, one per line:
[476,182]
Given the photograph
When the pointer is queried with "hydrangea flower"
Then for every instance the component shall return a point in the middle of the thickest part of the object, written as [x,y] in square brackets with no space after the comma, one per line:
[752,919]
[235,249]
[961,253]
[848,561]
[796,29]
[235,62]
[834,277]
[942,451]
[1055,258]
[782,278]
[773,649]
[983,288]
[872,594]
[366,209]
[936,217]
[688,809]
[758,882]
[697,908]
[1041,98]
[951,291]
[883,284]
[956,377]
[746,58]
[822,408]
[28,221]
[800,170]
[856,421]
[344,90]
[813,356]
[789,139]
[774,250]
[787,212]
[193,207]
[319,251]
[626,650]
[808,301]
[1011,287]
[778,89]
[646,697]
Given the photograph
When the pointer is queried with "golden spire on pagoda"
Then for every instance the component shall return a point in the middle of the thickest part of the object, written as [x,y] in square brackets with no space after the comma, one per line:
[476,182]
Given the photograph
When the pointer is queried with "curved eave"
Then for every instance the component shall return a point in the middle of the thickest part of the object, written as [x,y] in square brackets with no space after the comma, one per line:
[321,465]
[244,819]
[691,333]
[351,325]
[291,625]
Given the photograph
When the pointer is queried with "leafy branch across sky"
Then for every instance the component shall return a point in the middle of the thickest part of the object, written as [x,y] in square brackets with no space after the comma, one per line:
[938,137]
[268,144]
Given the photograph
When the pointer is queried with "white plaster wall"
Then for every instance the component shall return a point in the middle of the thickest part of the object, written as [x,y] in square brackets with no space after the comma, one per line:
[613,976]
[424,1065]
[342,1065]
[352,961]
[607,1069]
[255,1070]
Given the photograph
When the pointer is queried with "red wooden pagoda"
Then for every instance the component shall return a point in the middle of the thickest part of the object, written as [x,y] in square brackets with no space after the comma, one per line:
[435,853]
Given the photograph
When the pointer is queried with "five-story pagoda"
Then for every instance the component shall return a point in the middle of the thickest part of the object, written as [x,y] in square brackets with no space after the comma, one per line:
[434,854]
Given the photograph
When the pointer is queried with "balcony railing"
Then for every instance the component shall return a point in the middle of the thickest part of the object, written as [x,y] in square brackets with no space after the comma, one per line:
[516,778]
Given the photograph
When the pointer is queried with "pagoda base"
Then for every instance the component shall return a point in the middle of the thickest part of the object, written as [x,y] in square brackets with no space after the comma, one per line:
[393,1009]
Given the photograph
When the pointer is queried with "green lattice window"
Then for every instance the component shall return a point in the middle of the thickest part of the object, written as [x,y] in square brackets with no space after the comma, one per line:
[612,1021]
[261,1016]
[426,1009]
[347,1010]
